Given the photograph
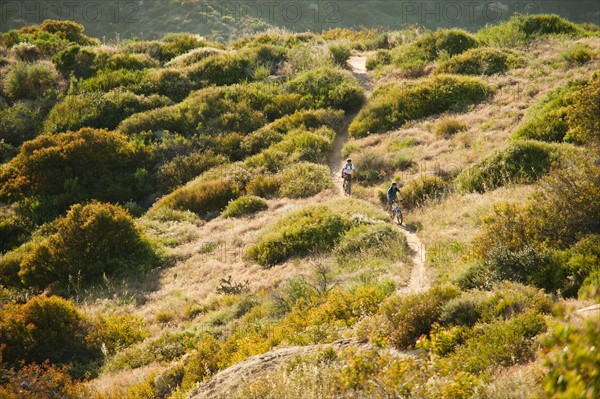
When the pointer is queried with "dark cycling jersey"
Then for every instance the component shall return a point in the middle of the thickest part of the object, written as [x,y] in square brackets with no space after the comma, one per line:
[393,193]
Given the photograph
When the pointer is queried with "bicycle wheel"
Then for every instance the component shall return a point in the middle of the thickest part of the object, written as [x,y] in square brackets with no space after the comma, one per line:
[399,216]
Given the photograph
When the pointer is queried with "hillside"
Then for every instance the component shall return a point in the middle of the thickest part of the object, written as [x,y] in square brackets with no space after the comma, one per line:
[172,221]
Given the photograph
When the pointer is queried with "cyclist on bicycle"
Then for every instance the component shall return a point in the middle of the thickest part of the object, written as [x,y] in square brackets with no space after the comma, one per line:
[393,194]
[347,170]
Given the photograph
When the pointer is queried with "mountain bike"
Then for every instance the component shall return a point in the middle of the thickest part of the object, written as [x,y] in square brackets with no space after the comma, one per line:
[397,213]
[347,185]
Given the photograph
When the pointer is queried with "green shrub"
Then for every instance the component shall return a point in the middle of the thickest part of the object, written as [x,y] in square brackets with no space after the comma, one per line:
[371,167]
[183,168]
[221,69]
[304,180]
[421,190]
[44,328]
[448,127]
[412,316]
[545,24]
[129,61]
[590,288]
[117,332]
[21,122]
[81,63]
[412,57]
[105,81]
[26,52]
[66,168]
[308,57]
[309,119]
[244,206]
[499,344]
[201,197]
[464,310]
[31,81]
[14,230]
[341,52]
[546,120]
[172,83]
[311,230]
[328,87]
[265,186]
[260,139]
[577,54]
[310,146]
[171,46]
[193,56]
[583,114]
[480,61]
[366,242]
[98,110]
[393,105]
[381,58]
[403,161]
[571,357]
[90,241]
[69,30]
[521,162]
[10,265]
[271,159]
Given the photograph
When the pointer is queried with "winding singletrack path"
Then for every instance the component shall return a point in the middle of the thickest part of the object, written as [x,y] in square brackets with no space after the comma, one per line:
[227,380]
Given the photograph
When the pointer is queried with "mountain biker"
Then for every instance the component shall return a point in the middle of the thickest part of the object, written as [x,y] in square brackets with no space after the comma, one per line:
[392,196]
[347,170]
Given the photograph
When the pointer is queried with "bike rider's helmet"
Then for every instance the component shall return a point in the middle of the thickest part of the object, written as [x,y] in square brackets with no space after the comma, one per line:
[349,160]
[394,183]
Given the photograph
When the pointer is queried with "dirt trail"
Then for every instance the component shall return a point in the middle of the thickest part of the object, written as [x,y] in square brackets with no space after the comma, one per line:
[227,380]
[419,280]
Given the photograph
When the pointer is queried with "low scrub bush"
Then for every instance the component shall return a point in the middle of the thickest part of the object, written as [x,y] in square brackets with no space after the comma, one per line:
[99,110]
[14,229]
[105,81]
[546,120]
[43,381]
[381,58]
[309,119]
[341,52]
[583,114]
[422,190]
[192,57]
[117,332]
[183,168]
[304,180]
[578,54]
[90,242]
[244,206]
[20,122]
[310,146]
[499,344]
[481,61]
[328,87]
[307,57]
[521,162]
[412,57]
[366,242]
[129,61]
[411,316]
[371,167]
[201,197]
[67,168]
[571,358]
[76,61]
[448,127]
[521,28]
[25,81]
[221,69]
[33,331]
[311,230]
[393,105]
[26,52]
[260,139]
[168,82]
[265,186]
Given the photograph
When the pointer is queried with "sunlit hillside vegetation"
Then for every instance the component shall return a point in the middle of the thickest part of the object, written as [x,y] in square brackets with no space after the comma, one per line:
[170,210]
